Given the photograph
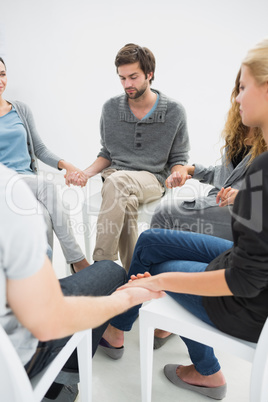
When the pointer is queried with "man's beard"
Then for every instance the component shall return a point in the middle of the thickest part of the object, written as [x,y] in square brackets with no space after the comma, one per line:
[137,94]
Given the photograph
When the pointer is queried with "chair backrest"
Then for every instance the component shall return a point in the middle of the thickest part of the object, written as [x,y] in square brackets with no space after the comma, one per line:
[15,385]
[259,372]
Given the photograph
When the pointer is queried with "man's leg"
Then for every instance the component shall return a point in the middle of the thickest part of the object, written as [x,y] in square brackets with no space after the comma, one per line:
[122,193]
[99,279]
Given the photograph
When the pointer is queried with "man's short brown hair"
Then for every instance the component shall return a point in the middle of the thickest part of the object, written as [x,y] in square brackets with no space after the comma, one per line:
[132,53]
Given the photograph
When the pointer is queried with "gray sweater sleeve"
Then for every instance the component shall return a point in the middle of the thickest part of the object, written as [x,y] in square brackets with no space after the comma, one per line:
[36,146]
[179,153]
[214,175]
[103,151]
[206,175]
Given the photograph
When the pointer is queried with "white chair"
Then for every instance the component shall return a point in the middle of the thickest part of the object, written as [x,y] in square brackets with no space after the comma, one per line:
[91,208]
[168,315]
[15,385]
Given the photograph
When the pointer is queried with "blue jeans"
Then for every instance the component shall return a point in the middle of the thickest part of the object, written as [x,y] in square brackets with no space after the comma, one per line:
[162,250]
[99,279]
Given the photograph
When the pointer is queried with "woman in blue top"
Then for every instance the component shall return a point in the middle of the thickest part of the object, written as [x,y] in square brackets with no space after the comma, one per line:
[20,147]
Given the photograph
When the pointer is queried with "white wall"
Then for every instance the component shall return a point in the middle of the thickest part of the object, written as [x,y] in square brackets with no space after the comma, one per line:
[60,59]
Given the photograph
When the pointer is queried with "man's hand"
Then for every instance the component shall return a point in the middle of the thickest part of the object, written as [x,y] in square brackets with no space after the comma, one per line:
[178,176]
[141,293]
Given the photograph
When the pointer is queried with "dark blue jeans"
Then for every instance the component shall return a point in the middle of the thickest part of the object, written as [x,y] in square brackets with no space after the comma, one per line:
[162,250]
[99,279]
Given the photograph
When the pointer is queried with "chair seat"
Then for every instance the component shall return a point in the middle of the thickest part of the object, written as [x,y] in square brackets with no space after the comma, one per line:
[171,316]
[168,315]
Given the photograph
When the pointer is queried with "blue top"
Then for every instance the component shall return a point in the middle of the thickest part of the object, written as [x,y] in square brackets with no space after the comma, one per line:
[153,108]
[13,143]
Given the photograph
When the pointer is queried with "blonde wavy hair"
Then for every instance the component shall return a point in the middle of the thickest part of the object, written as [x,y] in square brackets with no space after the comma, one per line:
[235,132]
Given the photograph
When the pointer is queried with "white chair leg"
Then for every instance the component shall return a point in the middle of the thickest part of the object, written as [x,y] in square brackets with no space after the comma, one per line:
[87,230]
[146,358]
[84,351]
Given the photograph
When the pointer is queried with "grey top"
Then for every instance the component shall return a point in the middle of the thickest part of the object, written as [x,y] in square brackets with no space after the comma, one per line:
[154,144]
[22,252]
[36,147]
[219,176]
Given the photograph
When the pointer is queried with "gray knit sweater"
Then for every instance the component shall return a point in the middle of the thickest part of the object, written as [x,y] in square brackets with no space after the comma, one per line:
[154,144]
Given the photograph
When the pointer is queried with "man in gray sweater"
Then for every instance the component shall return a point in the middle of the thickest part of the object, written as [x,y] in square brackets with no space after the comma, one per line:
[144,141]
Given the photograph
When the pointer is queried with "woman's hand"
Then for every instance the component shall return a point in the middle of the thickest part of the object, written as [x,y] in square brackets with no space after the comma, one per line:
[144,281]
[73,175]
[226,196]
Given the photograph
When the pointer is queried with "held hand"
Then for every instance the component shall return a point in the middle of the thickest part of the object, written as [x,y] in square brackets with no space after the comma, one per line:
[143,280]
[140,295]
[178,178]
[226,196]
[77,178]
[73,175]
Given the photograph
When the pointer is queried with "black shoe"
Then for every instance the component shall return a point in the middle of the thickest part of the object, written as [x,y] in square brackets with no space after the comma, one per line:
[61,393]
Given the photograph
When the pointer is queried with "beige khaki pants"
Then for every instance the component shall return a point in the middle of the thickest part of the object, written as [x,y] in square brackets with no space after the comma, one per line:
[117,228]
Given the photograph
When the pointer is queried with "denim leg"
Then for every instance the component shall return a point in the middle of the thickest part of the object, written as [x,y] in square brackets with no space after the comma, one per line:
[202,356]
[162,250]
[159,245]
[99,279]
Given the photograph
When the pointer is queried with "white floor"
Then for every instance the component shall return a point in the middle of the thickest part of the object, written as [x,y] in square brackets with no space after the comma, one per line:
[119,381]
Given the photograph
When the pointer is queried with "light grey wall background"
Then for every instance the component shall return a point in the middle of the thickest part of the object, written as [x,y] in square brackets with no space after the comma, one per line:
[60,59]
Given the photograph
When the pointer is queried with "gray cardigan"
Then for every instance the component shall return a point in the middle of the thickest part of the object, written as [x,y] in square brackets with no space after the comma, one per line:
[36,147]
[219,176]
[154,144]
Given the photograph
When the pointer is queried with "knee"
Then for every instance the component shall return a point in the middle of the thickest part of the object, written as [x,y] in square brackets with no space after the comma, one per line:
[146,238]
[163,216]
[116,273]
[115,181]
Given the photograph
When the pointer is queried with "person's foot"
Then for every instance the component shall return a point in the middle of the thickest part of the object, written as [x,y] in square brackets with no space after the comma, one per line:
[186,377]
[78,266]
[160,338]
[191,376]
[159,333]
[114,336]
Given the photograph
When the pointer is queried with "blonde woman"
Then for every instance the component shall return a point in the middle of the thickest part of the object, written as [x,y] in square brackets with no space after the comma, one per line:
[224,285]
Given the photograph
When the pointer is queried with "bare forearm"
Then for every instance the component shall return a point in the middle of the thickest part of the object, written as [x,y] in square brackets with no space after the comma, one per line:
[79,313]
[62,164]
[97,166]
[52,315]
[211,283]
